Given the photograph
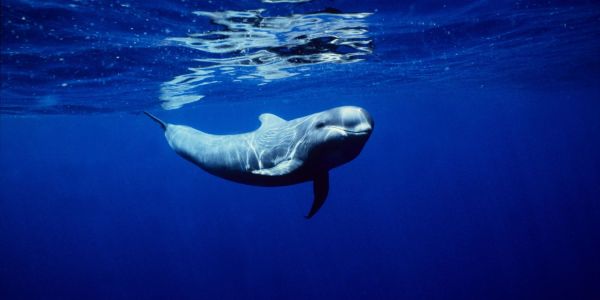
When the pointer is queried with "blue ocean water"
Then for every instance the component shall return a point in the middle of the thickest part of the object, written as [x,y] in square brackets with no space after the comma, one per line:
[481,179]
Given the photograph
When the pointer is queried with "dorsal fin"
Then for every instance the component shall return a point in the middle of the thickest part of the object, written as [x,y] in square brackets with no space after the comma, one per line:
[267,119]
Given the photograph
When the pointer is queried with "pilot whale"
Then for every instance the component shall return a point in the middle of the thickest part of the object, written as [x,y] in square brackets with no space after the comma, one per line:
[279,152]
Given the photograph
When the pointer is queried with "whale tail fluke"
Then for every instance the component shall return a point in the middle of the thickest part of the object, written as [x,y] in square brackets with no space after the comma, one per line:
[162,124]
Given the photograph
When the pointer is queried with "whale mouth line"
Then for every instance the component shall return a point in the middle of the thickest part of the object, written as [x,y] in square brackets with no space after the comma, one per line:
[348,131]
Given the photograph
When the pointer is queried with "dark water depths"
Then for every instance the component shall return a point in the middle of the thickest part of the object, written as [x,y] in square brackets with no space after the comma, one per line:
[480,181]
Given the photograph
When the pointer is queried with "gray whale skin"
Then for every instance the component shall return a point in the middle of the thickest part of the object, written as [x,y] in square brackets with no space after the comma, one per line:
[279,152]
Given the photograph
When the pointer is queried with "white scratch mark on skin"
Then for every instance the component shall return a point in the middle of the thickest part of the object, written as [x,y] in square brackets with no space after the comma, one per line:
[293,154]
[251,145]
[239,159]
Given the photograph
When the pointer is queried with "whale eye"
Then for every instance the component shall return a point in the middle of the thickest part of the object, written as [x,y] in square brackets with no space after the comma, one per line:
[320,125]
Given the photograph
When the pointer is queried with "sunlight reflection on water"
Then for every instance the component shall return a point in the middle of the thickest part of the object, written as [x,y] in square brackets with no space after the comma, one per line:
[249,46]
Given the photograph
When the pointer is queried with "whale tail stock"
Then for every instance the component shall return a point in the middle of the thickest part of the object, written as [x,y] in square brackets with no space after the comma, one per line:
[162,124]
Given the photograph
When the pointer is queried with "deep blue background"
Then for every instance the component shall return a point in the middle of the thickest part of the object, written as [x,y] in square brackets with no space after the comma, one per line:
[479,182]
[455,196]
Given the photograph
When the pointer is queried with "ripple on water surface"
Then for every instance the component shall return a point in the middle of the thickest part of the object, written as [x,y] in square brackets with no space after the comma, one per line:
[249,46]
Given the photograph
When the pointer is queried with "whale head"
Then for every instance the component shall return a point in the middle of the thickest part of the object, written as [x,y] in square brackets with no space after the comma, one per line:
[338,135]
